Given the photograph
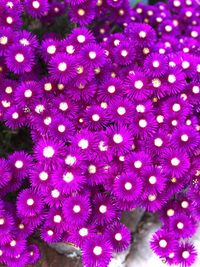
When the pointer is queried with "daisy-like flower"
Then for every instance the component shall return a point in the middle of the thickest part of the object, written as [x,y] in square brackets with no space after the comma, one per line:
[144,37]
[15,246]
[120,139]
[68,180]
[174,81]
[34,253]
[26,93]
[62,68]
[156,64]
[163,243]
[186,254]
[121,110]
[20,164]
[182,226]
[19,260]
[49,151]
[175,162]
[49,48]
[49,234]
[76,209]
[169,210]
[185,138]
[127,187]
[137,161]
[19,58]
[96,252]
[153,180]
[93,55]
[95,118]
[55,220]
[104,211]
[6,222]
[119,236]
[82,13]
[83,92]
[40,177]
[5,173]
[81,234]
[137,86]
[6,39]
[36,8]
[24,229]
[54,197]
[124,53]
[62,128]
[14,117]
[29,203]
[26,38]
[112,89]
[144,125]
[81,36]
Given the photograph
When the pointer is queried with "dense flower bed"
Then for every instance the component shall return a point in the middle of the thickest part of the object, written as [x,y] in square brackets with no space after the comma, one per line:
[110,95]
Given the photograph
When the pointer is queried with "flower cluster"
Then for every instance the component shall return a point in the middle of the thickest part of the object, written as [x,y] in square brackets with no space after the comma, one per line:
[113,115]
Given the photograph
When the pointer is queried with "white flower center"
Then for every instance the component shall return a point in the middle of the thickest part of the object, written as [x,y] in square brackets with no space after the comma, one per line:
[184,137]
[68,177]
[9,20]
[185,254]
[174,122]
[184,204]
[81,38]
[39,109]
[62,66]
[76,208]
[128,186]
[111,89]
[176,3]
[140,108]
[51,49]
[170,213]
[3,40]
[171,78]
[61,128]
[118,236]
[195,89]
[19,164]
[180,225]
[176,107]
[103,209]
[57,218]
[163,243]
[156,83]
[48,152]
[63,106]
[83,232]
[28,93]
[83,143]
[24,42]
[55,193]
[92,169]
[21,226]
[97,250]
[168,28]
[138,84]
[156,63]
[151,198]
[102,146]
[92,54]
[124,53]
[70,49]
[50,232]
[142,34]
[8,90]
[2,221]
[70,160]
[152,180]
[121,111]
[19,58]
[1,252]
[118,138]
[43,176]
[36,4]
[158,142]
[95,117]
[185,64]
[30,202]
[138,164]
[142,123]
[13,243]
[175,162]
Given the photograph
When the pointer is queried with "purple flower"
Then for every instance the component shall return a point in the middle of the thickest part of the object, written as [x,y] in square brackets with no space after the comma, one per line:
[36,8]
[186,254]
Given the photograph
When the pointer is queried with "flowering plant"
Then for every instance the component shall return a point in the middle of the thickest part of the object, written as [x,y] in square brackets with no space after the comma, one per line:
[110,95]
